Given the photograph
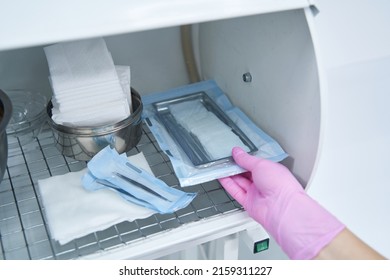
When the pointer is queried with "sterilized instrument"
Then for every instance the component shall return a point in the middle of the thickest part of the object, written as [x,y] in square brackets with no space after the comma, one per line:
[187,140]
[139,185]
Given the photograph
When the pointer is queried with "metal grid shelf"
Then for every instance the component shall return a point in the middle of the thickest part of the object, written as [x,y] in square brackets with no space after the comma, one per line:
[24,232]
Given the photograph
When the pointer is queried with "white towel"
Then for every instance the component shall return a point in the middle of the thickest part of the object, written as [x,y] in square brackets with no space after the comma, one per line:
[73,212]
[85,81]
[216,137]
[80,63]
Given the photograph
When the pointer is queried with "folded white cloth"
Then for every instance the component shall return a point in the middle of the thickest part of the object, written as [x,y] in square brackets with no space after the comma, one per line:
[73,212]
[86,83]
[124,75]
[109,113]
[80,63]
[216,137]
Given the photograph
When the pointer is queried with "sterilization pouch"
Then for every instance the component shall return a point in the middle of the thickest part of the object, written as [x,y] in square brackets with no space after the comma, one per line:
[108,169]
[196,125]
[72,212]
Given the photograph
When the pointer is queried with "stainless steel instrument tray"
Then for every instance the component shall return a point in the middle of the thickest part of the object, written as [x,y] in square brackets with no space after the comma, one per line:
[187,141]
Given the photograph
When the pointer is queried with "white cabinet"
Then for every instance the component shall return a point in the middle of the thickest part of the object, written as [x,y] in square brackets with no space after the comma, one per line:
[352,177]
[274,41]
[44,21]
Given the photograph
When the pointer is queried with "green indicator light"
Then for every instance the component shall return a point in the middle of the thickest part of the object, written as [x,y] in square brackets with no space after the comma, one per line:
[261,246]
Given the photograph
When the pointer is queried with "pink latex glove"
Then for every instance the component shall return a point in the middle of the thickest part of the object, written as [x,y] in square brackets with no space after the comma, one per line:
[272,196]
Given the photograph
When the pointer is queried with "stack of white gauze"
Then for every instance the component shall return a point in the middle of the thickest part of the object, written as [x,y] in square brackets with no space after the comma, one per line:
[88,89]
[216,137]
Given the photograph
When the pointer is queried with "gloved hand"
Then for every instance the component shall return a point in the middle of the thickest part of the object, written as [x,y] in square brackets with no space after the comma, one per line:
[272,196]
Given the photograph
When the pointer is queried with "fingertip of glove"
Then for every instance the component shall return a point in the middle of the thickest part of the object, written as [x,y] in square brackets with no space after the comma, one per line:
[227,183]
[223,180]
[236,151]
[220,179]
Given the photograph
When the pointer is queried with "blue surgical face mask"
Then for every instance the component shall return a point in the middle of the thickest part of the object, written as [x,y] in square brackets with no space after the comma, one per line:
[108,169]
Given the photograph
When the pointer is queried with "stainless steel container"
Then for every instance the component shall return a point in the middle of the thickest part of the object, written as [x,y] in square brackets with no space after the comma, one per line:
[5,116]
[82,143]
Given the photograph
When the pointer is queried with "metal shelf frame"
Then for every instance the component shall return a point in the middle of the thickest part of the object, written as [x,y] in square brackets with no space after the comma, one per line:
[24,233]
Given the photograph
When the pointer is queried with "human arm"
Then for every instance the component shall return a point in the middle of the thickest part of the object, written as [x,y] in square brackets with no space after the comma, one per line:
[273,197]
[347,246]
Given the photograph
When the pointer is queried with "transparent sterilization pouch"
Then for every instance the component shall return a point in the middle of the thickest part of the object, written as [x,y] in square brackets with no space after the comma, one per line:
[202,130]
[197,126]
[108,169]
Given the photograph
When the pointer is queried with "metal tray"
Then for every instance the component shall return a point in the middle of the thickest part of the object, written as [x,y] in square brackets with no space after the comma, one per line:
[188,142]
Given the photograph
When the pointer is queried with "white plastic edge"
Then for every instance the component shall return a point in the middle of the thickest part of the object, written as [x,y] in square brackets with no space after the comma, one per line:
[183,237]
[30,23]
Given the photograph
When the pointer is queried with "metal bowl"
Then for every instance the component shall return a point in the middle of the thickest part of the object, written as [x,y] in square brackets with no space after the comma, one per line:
[82,143]
[5,116]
